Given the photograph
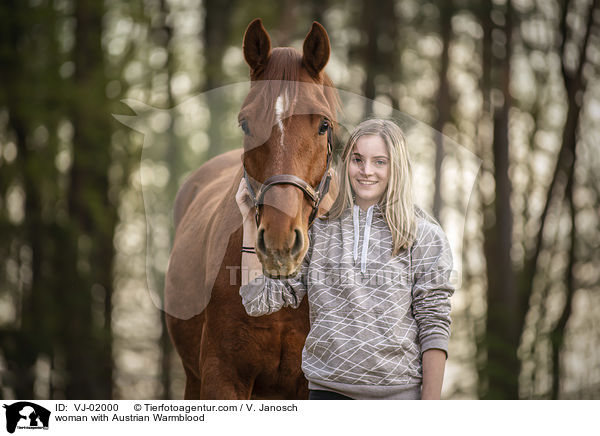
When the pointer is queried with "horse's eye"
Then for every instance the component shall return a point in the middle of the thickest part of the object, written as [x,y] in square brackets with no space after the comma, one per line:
[244,126]
[323,127]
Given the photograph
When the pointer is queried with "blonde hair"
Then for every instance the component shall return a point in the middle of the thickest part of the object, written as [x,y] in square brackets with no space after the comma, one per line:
[397,201]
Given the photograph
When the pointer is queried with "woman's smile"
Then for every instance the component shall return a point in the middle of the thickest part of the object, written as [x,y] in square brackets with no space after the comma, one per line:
[369,170]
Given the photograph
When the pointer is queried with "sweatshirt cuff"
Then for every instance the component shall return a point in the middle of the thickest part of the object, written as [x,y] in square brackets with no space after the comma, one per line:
[435,341]
[251,292]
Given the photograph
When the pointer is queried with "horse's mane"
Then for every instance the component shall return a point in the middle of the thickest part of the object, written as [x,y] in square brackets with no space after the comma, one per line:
[283,76]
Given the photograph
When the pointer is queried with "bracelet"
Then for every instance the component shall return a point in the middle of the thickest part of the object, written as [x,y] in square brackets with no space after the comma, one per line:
[249,250]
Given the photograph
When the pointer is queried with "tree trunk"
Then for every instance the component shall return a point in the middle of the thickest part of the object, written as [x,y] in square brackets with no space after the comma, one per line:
[501,372]
[558,332]
[574,84]
[442,103]
[379,50]
[173,163]
[19,346]
[217,27]
[88,345]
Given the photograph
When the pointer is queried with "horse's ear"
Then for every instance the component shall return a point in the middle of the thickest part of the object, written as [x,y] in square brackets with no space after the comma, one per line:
[257,46]
[316,49]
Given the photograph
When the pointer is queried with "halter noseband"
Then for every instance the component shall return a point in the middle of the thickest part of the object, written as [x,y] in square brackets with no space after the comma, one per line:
[289,179]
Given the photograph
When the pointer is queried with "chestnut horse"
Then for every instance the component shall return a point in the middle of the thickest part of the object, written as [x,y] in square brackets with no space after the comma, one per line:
[286,119]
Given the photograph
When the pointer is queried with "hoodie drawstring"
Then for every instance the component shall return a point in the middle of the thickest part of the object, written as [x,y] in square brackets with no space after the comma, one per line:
[366,236]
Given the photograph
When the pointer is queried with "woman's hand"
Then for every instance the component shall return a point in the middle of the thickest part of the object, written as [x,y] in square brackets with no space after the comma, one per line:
[243,200]
[250,265]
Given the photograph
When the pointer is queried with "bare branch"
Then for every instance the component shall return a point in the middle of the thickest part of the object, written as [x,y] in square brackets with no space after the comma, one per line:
[558,332]
[567,151]
[563,43]
[586,39]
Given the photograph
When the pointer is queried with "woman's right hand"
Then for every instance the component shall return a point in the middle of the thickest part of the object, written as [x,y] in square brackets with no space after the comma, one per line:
[243,200]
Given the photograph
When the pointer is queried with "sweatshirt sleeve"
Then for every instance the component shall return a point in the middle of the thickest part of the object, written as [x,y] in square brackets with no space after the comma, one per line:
[263,295]
[432,263]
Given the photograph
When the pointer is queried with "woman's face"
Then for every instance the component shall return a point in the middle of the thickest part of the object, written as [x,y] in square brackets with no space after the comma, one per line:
[369,170]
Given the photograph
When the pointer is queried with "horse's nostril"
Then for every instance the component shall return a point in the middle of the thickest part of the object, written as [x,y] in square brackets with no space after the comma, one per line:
[298,243]
[260,241]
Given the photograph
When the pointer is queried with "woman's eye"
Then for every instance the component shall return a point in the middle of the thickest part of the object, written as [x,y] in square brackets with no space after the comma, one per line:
[244,126]
[323,127]
[356,160]
[380,162]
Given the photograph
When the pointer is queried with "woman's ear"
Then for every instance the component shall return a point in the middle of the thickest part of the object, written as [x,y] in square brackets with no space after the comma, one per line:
[256,47]
[316,49]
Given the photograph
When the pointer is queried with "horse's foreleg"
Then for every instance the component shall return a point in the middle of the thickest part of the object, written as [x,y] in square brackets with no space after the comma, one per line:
[192,385]
[221,381]
[185,334]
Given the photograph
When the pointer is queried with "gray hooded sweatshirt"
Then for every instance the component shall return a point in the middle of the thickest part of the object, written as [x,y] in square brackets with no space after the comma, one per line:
[371,315]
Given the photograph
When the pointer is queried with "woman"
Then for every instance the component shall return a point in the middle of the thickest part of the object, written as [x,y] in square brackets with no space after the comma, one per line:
[377,278]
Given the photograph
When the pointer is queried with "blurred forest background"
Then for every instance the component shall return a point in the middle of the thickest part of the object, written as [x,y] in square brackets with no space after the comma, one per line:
[513,81]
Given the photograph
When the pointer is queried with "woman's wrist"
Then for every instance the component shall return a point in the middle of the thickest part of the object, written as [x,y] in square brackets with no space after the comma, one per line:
[434,361]
[251,266]
[249,229]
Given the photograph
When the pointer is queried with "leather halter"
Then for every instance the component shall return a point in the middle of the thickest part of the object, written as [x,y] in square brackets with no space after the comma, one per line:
[289,179]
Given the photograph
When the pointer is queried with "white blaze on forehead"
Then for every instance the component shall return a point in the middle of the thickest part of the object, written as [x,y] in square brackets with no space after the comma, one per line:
[281,107]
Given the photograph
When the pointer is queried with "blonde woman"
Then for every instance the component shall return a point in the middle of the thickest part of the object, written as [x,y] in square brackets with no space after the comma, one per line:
[377,278]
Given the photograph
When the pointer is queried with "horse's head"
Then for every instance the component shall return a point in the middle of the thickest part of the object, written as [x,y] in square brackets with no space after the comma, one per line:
[286,119]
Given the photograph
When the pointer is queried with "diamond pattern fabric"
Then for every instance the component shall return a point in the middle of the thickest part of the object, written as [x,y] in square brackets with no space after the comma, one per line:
[368,330]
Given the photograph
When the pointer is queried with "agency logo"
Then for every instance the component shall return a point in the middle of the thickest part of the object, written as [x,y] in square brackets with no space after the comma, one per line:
[26,415]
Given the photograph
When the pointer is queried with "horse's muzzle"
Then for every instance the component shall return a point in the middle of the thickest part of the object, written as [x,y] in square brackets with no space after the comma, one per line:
[280,256]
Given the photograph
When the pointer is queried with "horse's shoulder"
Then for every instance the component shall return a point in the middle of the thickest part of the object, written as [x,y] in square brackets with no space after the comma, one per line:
[205,217]
[202,178]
